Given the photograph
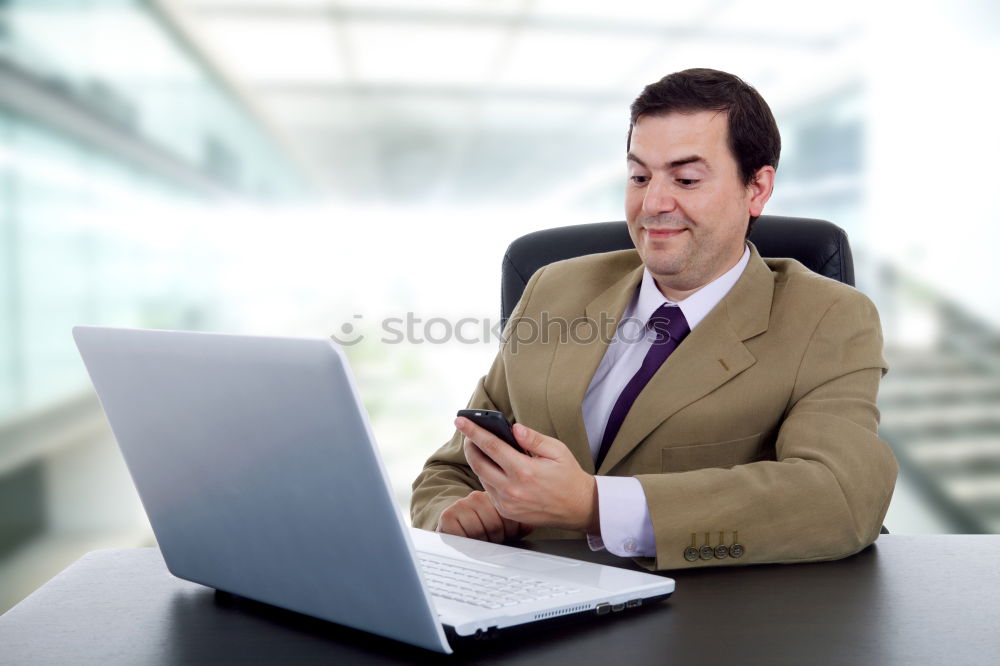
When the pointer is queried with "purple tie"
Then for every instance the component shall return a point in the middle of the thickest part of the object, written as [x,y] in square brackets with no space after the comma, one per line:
[671,327]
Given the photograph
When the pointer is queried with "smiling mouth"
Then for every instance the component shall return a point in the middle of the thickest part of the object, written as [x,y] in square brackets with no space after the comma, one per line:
[663,233]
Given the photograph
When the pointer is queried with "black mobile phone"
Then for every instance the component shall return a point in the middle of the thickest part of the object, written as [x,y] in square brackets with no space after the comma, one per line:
[494,422]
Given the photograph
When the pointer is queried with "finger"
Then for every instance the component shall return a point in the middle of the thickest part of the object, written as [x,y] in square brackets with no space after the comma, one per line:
[449,525]
[475,456]
[499,451]
[537,444]
[471,524]
[492,522]
[484,467]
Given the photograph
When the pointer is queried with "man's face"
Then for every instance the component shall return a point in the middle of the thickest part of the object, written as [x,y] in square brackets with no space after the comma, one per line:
[686,205]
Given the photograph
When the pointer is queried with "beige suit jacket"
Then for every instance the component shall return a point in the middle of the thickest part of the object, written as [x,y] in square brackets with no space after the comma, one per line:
[760,429]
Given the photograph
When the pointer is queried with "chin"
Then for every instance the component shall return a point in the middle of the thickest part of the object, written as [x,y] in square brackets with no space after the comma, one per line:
[671,260]
[664,269]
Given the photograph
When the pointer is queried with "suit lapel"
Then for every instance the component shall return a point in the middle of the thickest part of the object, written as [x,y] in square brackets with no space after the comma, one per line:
[711,355]
[576,359]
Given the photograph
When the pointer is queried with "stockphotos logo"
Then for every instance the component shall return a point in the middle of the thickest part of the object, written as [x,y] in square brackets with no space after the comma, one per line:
[414,330]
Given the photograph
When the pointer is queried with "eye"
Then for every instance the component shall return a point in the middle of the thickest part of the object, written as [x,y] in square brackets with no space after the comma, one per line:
[688,182]
[639,180]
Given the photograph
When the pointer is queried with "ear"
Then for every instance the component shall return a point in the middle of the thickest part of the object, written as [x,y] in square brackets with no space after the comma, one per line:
[760,189]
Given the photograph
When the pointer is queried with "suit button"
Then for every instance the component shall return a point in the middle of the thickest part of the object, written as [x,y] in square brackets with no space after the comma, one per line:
[721,552]
[707,552]
[736,550]
[691,554]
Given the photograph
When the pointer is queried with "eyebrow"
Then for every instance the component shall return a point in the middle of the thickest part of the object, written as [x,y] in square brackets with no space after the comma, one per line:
[690,159]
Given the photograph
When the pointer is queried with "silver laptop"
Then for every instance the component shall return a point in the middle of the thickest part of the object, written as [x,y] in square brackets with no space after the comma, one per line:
[256,465]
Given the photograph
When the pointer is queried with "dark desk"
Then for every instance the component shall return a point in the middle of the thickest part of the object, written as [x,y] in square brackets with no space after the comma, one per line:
[907,600]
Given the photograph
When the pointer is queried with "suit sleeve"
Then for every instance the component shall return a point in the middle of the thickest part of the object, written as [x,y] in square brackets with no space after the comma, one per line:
[446,476]
[827,492]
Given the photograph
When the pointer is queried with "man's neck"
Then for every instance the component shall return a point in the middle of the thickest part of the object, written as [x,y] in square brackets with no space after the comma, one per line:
[674,295]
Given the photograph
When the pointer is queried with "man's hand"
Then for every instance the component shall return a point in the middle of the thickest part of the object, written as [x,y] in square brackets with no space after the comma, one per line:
[474,516]
[545,488]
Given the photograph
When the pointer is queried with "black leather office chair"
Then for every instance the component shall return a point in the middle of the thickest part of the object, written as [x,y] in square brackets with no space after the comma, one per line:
[819,245]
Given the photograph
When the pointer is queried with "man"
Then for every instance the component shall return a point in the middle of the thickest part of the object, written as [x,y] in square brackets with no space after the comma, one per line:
[736,425]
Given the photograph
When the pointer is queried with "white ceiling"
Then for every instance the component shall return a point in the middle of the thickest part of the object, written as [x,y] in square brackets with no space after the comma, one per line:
[489,100]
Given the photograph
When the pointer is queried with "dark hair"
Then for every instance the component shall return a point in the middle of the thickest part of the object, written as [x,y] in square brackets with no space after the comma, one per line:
[754,140]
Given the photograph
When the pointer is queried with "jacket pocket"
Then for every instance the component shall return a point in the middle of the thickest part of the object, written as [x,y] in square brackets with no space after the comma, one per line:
[687,457]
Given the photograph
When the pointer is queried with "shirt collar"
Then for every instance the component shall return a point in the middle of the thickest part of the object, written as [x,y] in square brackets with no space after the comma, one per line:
[696,306]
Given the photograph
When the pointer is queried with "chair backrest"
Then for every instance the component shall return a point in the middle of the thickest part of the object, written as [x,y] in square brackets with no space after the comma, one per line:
[821,246]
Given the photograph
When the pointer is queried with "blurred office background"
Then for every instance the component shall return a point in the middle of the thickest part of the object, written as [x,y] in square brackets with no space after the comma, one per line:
[357,167]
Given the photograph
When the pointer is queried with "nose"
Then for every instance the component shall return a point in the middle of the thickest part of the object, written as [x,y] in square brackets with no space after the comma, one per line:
[658,198]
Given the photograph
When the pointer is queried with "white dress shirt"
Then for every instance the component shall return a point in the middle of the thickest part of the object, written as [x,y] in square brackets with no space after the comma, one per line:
[626,528]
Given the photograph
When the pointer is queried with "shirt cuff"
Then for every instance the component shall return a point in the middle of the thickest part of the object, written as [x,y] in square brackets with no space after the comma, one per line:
[626,528]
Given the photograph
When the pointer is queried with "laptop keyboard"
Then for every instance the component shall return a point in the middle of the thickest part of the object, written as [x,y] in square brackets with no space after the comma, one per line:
[450,580]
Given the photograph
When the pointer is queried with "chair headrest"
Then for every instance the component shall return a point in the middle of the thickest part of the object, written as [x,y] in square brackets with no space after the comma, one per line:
[819,245]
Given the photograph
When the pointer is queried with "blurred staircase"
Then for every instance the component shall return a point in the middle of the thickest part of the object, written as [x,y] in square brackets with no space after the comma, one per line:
[940,407]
